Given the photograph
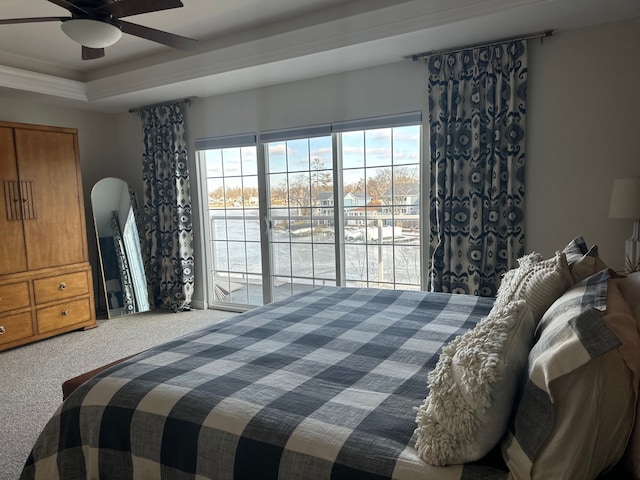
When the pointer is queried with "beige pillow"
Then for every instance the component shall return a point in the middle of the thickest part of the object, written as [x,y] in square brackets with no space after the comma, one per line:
[587,265]
[583,261]
[630,289]
[537,282]
[575,249]
[577,407]
[473,387]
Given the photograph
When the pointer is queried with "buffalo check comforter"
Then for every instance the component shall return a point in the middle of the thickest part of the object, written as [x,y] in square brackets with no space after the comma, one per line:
[322,385]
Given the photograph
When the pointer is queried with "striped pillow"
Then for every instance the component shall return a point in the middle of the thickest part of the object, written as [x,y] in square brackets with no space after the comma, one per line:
[582,260]
[577,404]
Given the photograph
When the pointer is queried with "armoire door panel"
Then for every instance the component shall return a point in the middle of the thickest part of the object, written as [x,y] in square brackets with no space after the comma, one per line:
[47,165]
[12,247]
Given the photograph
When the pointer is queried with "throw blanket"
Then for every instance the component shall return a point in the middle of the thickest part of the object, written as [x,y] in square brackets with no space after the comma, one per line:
[322,385]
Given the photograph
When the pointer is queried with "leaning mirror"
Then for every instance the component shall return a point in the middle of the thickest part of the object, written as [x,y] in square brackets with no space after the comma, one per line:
[119,247]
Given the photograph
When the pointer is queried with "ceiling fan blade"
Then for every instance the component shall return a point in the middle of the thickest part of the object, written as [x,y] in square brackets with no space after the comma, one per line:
[126,8]
[89,53]
[158,36]
[72,7]
[9,21]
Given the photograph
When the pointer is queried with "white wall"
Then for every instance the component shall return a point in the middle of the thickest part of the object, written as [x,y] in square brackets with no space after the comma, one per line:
[582,128]
[583,131]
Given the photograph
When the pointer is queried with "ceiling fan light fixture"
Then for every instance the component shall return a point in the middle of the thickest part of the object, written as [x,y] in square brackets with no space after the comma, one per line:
[91,33]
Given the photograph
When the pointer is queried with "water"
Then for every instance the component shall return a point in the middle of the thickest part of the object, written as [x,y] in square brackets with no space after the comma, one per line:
[305,254]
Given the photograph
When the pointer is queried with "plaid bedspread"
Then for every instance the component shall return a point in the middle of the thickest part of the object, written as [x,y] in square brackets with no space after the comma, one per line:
[320,386]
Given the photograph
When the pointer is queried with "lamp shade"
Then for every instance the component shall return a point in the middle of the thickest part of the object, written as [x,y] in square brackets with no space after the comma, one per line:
[91,33]
[625,199]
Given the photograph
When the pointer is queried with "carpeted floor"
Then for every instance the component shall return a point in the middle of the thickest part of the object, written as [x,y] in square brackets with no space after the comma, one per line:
[31,376]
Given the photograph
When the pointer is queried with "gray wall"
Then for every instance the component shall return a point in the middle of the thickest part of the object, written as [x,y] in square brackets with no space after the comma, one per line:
[581,128]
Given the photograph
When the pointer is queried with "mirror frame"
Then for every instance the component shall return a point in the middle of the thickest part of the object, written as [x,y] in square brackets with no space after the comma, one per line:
[102,217]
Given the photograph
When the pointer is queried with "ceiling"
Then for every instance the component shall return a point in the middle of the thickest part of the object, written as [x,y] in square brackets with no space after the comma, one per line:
[246,44]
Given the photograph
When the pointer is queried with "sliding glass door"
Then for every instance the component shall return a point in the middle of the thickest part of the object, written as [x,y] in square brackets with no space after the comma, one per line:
[301,214]
[381,181]
[331,205]
[234,256]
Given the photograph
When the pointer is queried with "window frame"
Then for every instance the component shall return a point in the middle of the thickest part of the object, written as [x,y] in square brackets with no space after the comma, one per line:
[260,140]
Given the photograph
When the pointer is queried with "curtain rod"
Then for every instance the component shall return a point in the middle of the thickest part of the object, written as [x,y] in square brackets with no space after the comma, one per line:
[183,100]
[420,56]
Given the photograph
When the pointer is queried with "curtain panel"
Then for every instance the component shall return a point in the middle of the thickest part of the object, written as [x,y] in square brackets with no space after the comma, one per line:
[167,218]
[477,109]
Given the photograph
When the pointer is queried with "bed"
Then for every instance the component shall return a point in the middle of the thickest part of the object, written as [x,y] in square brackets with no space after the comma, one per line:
[328,385]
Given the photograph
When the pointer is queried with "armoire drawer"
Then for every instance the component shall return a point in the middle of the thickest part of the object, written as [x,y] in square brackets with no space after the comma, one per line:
[63,315]
[14,296]
[15,327]
[63,286]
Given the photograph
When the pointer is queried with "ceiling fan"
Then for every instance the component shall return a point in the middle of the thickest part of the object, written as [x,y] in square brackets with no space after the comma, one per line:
[96,24]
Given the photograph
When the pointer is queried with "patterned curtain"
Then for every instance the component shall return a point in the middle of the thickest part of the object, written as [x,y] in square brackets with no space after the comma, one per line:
[166,214]
[477,106]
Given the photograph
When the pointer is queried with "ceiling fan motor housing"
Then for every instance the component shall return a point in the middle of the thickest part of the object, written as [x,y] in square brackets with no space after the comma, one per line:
[91,33]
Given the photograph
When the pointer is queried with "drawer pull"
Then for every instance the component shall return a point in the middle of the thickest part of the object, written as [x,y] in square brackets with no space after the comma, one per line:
[2,330]
[65,312]
[62,286]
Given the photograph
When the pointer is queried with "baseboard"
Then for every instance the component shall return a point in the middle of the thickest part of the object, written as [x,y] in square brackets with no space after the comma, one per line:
[199,305]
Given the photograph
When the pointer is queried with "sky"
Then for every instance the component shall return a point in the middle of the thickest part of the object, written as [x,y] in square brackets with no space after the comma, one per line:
[360,150]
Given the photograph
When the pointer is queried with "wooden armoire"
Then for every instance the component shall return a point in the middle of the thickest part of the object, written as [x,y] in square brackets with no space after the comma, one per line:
[46,284]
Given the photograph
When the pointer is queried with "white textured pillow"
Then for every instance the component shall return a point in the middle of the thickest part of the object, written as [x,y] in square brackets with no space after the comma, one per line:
[473,386]
[537,282]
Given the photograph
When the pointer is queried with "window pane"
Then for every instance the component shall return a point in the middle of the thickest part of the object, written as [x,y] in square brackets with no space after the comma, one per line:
[379,184]
[323,228]
[324,261]
[298,155]
[282,288]
[378,147]
[254,263]
[279,189]
[280,223]
[250,191]
[300,192]
[321,151]
[252,224]
[281,259]
[406,145]
[356,262]
[249,161]
[233,201]
[382,236]
[301,260]
[237,257]
[221,256]
[215,193]
[218,226]
[235,226]
[352,149]
[231,162]
[277,157]
[213,161]
[233,191]
[407,264]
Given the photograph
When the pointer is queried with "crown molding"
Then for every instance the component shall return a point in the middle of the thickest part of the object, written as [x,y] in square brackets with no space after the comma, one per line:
[18,79]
